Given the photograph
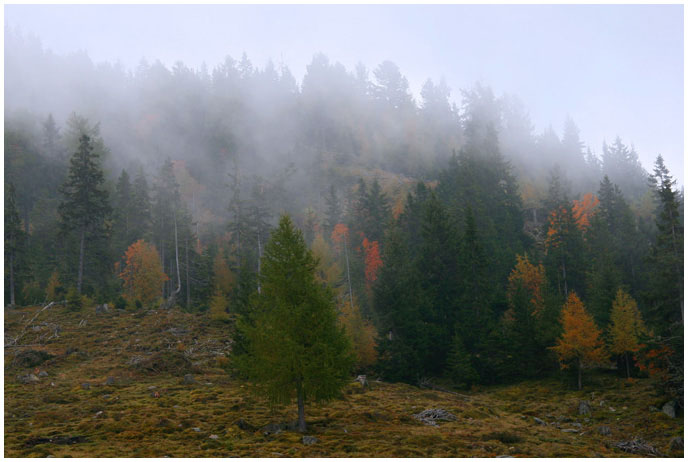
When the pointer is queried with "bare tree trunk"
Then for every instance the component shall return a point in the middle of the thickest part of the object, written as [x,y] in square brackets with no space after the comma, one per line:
[162,262]
[179,280]
[300,407]
[81,260]
[186,250]
[27,225]
[259,261]
[349,281]
[564,276]
[12,301]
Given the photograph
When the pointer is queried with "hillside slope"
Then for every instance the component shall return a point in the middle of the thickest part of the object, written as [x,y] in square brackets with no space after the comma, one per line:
[137,402]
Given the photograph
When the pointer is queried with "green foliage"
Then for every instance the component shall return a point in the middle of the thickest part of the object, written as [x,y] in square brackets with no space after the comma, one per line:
[666,291]
[294,343]
[75,301]
[459,366]
[120,303]
[218,307]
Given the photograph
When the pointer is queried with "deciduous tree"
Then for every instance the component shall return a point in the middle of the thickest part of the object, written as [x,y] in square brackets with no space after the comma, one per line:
[580,343]
[142,274]
[295,346]
[626,326]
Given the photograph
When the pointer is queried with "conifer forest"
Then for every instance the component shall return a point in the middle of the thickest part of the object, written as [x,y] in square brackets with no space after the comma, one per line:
[247,258]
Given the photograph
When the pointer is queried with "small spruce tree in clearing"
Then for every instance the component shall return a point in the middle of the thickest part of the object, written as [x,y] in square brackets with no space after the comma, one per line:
[459,365]
[580,342]
[218,308]
[295,346]
[626,326]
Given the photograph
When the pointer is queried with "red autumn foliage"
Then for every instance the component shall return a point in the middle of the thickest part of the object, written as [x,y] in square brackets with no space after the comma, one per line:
[372,259]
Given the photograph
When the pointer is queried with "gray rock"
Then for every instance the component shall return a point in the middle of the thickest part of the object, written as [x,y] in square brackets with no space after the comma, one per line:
[362,380]
[604,430]
[85,386]
[273,429]
[669,409]
[570,430]
[43,374]
[189,379]
[196,429]
[653,409]
[308,440]
[677,444]
[539,421]
[102,308]
[214,437]
[577,425]
[110,381]
[29,378]
[584,408]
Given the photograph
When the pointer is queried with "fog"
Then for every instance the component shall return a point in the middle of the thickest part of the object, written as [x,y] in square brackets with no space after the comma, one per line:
[305,96]
[616,70]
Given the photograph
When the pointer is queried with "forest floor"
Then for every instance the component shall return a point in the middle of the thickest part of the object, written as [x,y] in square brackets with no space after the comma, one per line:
[115,387]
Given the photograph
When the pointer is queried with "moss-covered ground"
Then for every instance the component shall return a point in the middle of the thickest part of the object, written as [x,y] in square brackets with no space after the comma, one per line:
[149,411]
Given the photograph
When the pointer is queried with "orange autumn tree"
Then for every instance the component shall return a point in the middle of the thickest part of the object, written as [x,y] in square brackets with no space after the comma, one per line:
[626,326]
[583,210]
[222,275]
[531,278]
[362,333]
[373,262]
[580,342]
[143,275]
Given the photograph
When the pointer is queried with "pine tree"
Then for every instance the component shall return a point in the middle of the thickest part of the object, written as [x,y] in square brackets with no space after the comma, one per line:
[626,327]
[294,315]
[333,210]
[667,255]
[85,205]
[459,366]
[140,215]
[122,208]
[13,238]
[581,341]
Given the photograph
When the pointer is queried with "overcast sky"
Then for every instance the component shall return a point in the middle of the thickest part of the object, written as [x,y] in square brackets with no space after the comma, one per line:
[617,70]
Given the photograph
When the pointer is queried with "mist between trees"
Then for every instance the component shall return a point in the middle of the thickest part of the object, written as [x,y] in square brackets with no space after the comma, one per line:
[419,211]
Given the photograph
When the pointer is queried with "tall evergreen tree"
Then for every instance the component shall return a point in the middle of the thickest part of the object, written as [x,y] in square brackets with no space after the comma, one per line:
[667,254]
[85,205]
[122,209]
[13,240]
[140,214]
[333,210]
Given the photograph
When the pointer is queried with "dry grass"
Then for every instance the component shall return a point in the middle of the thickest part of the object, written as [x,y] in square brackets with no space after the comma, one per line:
[59,417]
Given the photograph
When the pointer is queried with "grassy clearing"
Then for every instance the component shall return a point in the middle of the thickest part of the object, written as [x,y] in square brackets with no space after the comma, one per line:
[150,412]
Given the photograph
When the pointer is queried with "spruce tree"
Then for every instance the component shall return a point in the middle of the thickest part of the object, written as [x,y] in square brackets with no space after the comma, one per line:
[85,205]
[667,255]
[333,210]
[13,238]
[295,346]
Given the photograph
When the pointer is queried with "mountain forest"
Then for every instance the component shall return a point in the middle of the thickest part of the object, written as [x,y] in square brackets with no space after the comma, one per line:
[324,230]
